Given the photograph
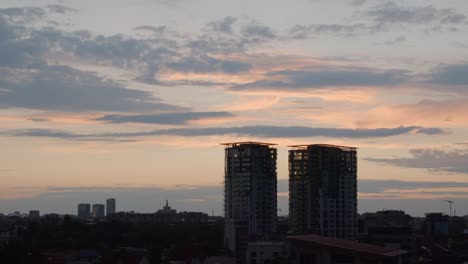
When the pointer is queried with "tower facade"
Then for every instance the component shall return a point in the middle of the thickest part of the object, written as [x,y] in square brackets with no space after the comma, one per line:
[323,190]
[98,211]
[84,211]
[249,193]
[110,206]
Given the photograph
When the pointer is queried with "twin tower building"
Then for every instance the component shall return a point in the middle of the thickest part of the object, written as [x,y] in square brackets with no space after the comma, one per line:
[322,192]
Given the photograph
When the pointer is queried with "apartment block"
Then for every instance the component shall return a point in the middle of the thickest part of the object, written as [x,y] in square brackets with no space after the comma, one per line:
[249,194]
[323,190]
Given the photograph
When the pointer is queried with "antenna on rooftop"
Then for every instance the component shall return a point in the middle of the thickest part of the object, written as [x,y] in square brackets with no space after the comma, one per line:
[450,204]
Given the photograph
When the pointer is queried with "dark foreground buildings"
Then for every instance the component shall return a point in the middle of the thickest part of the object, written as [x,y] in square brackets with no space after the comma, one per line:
[249,194]
[323,190]
[311,249]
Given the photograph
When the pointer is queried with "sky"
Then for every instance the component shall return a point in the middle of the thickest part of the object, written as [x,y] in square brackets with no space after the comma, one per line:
[131,99]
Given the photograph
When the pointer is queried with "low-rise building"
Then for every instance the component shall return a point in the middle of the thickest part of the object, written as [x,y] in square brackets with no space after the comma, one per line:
[263,252]
[34,215]
[436,225]
[384,218]
[308,249]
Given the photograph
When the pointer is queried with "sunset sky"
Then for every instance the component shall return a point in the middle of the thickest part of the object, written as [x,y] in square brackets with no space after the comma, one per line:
[131,99]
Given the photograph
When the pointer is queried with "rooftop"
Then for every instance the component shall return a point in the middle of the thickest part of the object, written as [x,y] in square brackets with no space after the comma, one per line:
[267,243]
[248,143]
[348,245]
[323,145]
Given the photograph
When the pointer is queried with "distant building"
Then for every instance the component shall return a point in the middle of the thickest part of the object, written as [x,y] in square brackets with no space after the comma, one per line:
[457,225]
[167,209]
[53,219]
[249,194]
[436,224]
[187,217]
[385,218]
[110,206]
[34,214]
[98,211]
[84,211]
[323,190]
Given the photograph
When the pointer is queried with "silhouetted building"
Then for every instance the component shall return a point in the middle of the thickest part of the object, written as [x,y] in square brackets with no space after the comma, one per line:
[34,214]
[323,190]
[457,225]
[110,206]
[188,217]
[249,194]
[52,219]
[98,211]
[385,218]
[167,209]
[436,225]
[84,211]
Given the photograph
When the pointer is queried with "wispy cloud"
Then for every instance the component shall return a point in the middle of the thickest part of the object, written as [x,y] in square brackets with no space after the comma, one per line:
[331,77]
[251,131]
[393,13]
[165,118]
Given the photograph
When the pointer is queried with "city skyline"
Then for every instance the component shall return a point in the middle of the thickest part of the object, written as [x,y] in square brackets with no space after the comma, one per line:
[94,106]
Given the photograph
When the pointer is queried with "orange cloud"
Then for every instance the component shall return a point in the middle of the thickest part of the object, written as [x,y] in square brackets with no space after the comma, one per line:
[424,113]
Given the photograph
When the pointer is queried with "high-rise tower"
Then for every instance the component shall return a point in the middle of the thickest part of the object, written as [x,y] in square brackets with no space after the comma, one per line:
[84,211]
[98,211]
[323,190]
[249,193]
[110,206]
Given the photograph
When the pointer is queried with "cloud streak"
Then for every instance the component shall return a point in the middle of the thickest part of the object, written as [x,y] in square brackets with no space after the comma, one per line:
[331,77]
[166,118]
[393,13]
[249,131]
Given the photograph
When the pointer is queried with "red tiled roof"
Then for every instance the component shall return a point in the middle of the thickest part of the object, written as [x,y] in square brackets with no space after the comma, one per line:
[348,245]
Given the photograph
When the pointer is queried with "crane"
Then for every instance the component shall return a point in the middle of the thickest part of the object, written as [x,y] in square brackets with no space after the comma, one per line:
[450,203]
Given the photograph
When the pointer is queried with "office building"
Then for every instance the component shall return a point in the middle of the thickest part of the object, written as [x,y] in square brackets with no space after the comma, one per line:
[84,211]
[323,190]
[98,211]
[249,194]
[110,206]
